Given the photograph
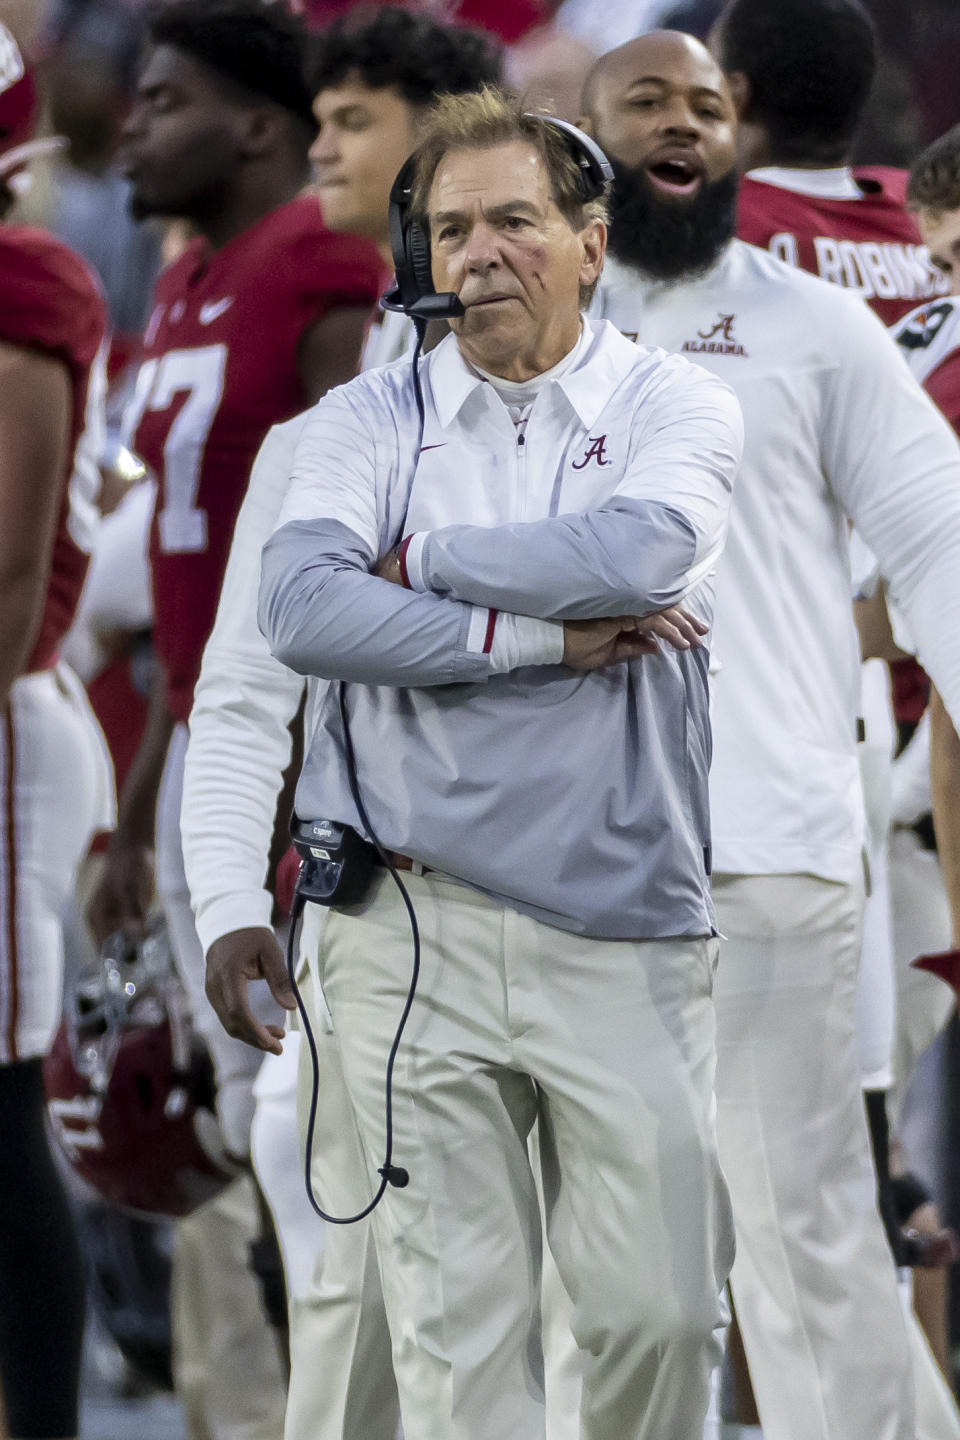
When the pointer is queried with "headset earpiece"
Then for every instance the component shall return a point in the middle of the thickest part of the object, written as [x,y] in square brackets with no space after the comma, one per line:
[596,172]
[418,250]
[414,294]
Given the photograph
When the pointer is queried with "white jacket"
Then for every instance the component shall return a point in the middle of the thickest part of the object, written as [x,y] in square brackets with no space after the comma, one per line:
[579,799]
[244,703]
[239,737]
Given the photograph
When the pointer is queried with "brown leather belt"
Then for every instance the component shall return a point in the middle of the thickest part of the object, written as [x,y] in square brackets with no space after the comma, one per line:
[403,862]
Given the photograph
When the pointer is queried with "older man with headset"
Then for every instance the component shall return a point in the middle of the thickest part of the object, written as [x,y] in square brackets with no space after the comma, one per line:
[490,553]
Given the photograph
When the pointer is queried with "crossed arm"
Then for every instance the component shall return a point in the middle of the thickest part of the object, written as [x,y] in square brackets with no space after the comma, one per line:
[594,644]
[588,585]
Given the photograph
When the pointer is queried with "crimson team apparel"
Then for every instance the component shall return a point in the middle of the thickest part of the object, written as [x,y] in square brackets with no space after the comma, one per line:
[220,367]
[50,747]
[856,233]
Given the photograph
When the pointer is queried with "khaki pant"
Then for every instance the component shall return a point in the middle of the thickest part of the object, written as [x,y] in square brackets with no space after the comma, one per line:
[341,1371]
[611,1046]
[226,1362]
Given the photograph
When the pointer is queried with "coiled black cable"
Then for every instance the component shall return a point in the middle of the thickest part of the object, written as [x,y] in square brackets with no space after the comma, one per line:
[389,1173]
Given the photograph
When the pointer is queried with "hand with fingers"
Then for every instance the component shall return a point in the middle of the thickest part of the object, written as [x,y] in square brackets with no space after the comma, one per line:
[596,644]
[678,627]
[233,961]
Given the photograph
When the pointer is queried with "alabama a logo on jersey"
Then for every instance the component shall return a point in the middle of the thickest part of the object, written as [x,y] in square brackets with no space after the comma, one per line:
[716,338]
[596,451]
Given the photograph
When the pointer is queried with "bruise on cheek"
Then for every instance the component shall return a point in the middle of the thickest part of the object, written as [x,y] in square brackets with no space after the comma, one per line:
[537,259]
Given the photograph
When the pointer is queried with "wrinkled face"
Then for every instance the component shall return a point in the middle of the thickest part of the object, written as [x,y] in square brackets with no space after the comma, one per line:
[500,243]
[181,143]
[365,138]
[941,232]
[662,105]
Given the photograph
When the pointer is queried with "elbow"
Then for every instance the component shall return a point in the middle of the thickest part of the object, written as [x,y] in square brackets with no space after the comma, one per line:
[655,585]
[287,647]
[290,617]
[267,607]
[301,594]
[283,605]
[656,589]
[652,552]
[280,625]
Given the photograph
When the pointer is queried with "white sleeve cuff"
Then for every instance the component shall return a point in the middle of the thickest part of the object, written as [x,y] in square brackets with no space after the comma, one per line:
[413,561]
[522,640]
[245,910]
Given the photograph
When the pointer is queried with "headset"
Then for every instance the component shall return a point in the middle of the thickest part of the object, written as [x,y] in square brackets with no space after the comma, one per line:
[415,294]
[331,854]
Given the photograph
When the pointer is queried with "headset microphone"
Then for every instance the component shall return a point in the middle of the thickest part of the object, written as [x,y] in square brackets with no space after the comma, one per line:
[395,1175]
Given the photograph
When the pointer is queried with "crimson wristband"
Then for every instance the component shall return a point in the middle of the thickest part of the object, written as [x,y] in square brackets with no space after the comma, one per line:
[402,562]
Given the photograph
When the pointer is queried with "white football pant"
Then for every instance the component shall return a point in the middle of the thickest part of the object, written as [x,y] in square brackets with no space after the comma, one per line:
[56,791]
[813,1283]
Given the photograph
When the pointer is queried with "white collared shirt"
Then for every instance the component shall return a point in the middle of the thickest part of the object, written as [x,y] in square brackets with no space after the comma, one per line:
[837,183]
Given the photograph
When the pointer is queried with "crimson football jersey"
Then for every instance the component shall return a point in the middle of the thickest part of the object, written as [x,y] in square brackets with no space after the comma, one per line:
[219,369]
[50,301]
[871,246]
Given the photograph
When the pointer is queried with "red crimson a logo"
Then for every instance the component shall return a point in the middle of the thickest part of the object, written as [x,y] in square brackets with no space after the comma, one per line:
[723,326]
[595,452]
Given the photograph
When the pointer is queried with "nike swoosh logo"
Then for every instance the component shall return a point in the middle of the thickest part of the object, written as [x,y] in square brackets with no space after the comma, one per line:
[211,312]
[433,447]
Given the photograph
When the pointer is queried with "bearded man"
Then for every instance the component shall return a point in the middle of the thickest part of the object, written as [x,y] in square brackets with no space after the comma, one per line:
[836,430]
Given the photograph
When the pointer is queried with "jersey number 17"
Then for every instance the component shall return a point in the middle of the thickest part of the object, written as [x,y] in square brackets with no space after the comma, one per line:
[199,375]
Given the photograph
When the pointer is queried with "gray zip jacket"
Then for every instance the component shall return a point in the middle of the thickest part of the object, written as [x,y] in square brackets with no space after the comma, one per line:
[579,799]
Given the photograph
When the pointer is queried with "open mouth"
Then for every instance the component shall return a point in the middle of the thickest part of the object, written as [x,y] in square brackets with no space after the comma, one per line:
[676,176]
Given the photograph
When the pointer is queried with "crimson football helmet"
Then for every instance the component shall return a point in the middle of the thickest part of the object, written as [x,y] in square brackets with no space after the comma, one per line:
[18,113]
[129,1083]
